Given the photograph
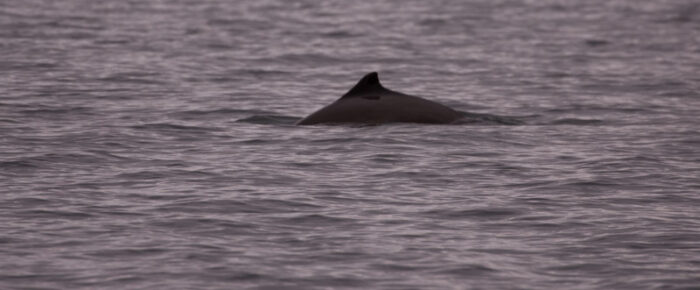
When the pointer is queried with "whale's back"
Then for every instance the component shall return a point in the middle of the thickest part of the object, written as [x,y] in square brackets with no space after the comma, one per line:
[369,102]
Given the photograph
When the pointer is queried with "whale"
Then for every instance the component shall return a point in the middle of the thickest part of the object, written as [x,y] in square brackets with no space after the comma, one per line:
[368,102]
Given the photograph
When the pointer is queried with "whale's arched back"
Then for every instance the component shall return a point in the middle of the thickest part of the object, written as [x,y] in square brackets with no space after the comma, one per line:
[369,102]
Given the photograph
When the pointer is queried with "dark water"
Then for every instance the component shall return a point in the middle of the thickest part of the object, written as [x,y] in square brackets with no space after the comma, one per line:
[150,145]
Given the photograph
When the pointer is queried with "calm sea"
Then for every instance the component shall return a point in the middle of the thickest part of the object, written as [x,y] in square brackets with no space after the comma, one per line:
[150,145]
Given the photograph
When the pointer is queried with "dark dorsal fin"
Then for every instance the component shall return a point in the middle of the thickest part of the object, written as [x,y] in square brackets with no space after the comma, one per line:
[368,84]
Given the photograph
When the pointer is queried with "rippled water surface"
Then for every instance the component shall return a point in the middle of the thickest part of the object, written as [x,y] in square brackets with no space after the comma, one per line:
[151,145]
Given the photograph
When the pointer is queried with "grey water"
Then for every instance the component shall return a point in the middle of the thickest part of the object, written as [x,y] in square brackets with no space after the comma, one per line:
[150,145]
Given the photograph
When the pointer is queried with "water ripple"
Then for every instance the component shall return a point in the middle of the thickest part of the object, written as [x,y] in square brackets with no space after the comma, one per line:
[150,144]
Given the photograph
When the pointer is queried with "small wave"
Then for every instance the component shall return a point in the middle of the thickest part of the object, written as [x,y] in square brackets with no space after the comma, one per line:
[142,175]
[213,114]
[54,214]
[312,58]
[685,14]
[17,165]
[26,202]
[597,108]
[317,220]
[479,213]
[574,121]
[269,120]
[181,174]
[488,119]
[208,226]
[49,160]
[596,42]
[469,270]
[133,78]
[431,22]
[227,206]
[578,267]
[239,25]
[12,105]
[10,121]
[167,127]
[265,72]
[53,111]
[27,65]
[340,34]
[127,252]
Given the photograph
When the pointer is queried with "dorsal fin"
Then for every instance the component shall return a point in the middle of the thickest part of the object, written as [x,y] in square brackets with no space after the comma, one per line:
[368,84]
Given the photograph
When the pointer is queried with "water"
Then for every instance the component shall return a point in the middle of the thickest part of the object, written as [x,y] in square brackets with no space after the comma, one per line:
[150,145]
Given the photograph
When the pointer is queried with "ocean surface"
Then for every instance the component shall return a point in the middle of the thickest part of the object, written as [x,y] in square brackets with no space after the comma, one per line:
[151,145]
